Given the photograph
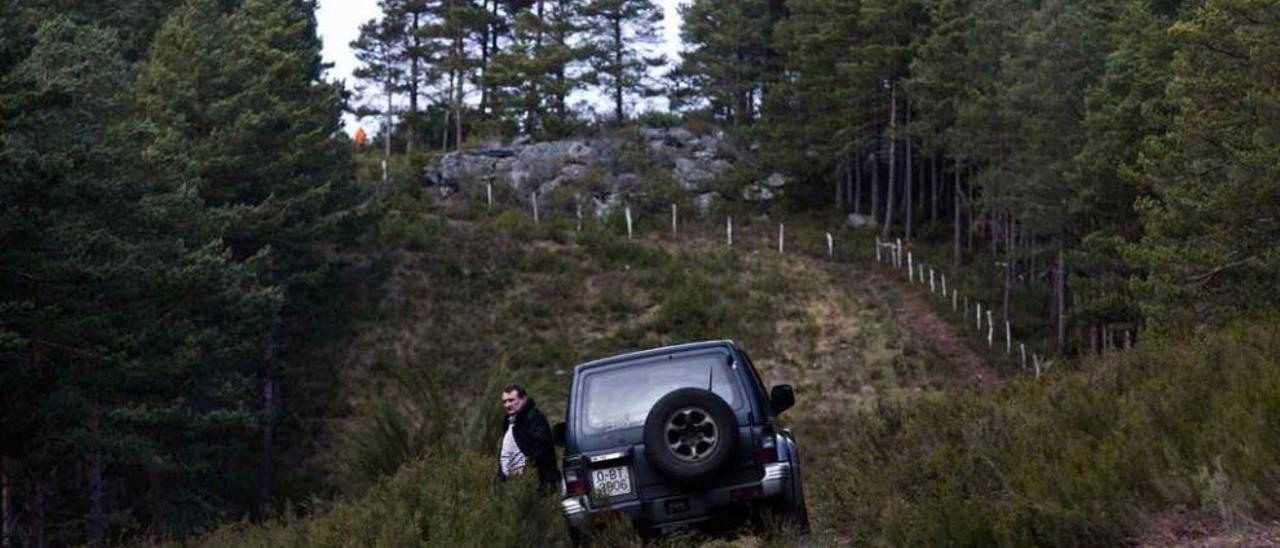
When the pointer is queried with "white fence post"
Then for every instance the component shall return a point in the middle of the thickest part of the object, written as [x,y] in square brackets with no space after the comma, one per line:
[979,317]
[627,210]
[1008,338]
[1036,359]
[954,299]
[932,288]
[535,208]
[991,330]
[944,286]
[673,220]
[831,246]
[489,192]
[1023,348]
[781,237]
[910,268]
[878,249]
[898,260]
[579,215]
[728,230]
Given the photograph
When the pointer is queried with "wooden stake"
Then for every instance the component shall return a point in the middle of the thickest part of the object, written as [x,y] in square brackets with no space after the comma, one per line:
[944,286]
[728,230]
[878,249]
[489,192]
[991,330]
[953,300]
[781,237]
[831,246]
[932,288]
[1023,348]
[979,316]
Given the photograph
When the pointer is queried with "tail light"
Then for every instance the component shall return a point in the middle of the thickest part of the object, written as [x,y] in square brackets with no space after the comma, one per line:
[768,448]
[575,482]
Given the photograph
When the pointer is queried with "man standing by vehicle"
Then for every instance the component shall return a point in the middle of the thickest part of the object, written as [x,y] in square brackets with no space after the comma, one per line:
[527,439]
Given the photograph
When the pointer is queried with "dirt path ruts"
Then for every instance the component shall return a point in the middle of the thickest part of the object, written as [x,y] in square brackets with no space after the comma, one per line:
[908,306]
[918,317]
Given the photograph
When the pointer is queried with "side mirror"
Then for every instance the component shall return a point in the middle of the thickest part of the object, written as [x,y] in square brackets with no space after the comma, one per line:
[782,398]
[558,433]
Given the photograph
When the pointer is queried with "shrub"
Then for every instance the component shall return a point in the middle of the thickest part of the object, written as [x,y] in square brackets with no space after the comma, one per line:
[1076,458]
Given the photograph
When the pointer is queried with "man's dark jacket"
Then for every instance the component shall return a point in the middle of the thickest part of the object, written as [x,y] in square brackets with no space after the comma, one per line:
[533,437]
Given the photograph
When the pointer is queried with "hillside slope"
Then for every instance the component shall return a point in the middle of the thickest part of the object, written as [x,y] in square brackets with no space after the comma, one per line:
[478,299]
[907,437]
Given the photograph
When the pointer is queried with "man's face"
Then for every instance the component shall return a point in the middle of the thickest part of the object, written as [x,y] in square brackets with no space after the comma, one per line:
[513,402]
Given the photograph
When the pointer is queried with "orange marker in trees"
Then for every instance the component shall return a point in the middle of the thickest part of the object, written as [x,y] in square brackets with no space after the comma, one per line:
[360,138]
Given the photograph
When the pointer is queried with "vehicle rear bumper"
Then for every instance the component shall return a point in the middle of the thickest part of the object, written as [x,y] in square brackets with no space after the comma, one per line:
[775,482]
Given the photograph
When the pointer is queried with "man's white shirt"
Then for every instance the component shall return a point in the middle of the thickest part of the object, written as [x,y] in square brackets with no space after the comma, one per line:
[512,459]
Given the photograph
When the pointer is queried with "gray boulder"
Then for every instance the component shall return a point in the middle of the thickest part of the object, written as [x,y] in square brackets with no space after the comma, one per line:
[855,220]
[704,202]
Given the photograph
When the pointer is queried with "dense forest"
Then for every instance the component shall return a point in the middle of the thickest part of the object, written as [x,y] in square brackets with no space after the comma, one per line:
[180,210]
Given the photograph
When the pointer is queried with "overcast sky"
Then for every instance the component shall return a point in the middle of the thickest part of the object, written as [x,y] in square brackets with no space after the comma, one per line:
[340,21]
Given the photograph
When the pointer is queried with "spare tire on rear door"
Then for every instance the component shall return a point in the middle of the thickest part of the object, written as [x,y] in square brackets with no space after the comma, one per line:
[690,434]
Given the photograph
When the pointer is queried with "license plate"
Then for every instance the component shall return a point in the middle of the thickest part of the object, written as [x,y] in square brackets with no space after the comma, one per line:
[611,482]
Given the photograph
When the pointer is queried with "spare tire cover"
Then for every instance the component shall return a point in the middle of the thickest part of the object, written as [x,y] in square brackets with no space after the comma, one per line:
[690,434]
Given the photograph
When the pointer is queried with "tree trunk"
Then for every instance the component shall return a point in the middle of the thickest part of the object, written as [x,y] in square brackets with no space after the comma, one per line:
[857,183]
[459,59]
[267,377]
[909,182]
[412,120]
[839,186]
[35,516]
[7,537]
[933,195]
[96,522]
[1008,267]
[969,213]
[957,199]
[535,99]
[387,124]
[562,15]
[485,31]
[617,60]
[875,188]
[893,141]
[1060,290]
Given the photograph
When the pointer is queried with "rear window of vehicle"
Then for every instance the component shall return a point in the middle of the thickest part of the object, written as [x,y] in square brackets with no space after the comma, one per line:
[618,398]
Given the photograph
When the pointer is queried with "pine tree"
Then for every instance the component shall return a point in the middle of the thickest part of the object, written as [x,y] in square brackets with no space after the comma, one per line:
[269,156]
[1212,226]
[119,296]
[622,31]
[729,50]
[381,50]
[1126,107]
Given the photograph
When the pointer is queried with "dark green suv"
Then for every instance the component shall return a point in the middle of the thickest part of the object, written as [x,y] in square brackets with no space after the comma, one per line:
[676,436]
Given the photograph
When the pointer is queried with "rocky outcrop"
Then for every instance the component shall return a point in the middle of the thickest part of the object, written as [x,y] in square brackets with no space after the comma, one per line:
[600,173]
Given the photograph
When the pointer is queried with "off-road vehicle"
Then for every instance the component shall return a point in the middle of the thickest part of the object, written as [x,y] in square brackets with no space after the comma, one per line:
[675,436]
